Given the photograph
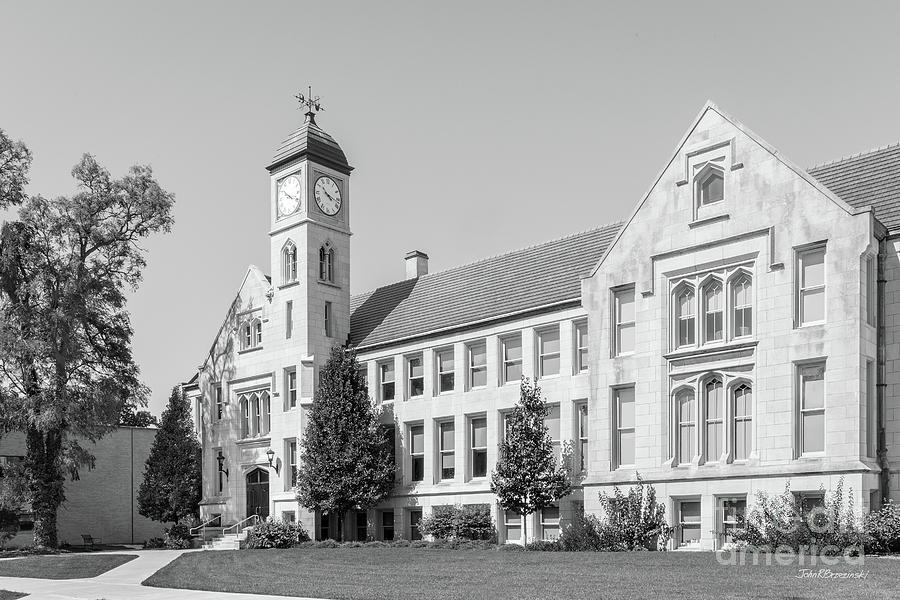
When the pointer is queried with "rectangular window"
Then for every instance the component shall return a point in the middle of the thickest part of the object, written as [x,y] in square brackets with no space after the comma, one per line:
[871,411]
[445,368]
[292,461]
[551,421]
[417,452]
[512,522]
[812,408]
[292,388]
[624,426]
[386,378]
[732,511]
[689,523]
[582,437]
[415,517]
[479,447]
[511,346]
[328,319]
[871,289]
[548,352]
[288,319]
[364,374]
[387,525]
[623,307]
[288,516]
[447,434]
[416,376]
[362,526]
[550,523]
[220,403]
[581,347]
[477,364]
[811,285]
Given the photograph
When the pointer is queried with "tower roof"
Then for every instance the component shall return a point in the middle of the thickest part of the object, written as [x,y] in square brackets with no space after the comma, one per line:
[312,142]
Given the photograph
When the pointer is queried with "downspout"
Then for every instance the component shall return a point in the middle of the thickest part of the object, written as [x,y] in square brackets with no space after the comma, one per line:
[881,438]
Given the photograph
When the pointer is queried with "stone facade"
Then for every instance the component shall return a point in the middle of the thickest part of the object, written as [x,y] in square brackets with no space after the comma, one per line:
[705,301]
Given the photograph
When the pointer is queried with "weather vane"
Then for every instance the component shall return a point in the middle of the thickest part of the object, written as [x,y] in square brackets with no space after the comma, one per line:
[312,103]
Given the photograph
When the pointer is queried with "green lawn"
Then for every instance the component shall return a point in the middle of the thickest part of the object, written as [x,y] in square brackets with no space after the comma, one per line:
[413,574]
[7,595]
[62,566]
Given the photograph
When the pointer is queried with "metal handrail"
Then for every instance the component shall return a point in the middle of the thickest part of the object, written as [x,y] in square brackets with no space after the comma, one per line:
[254,518]
[202,526]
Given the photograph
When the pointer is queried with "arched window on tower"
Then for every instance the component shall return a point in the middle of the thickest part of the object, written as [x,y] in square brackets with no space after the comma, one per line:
[326,263]
[289,262]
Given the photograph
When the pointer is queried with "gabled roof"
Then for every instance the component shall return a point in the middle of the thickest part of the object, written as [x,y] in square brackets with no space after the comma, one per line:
[869,179]
[518,282]
[312,142]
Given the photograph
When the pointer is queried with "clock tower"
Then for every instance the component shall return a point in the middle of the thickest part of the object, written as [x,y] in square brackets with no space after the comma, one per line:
[310,243]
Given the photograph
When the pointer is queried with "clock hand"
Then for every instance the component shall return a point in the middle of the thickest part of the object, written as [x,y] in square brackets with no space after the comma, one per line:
[330,197]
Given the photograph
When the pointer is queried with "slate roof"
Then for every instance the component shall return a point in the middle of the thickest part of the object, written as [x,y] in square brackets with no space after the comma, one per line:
[517,282]
[869,179]
[310,140]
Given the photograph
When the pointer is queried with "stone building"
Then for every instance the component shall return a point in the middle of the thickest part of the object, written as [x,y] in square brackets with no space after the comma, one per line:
[734,334]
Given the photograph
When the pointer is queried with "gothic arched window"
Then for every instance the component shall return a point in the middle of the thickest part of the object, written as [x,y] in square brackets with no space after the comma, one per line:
[742,316]
[743,420]
[289,262]
[326,263]
[714,419]
[685,426]
[713,312]
[685,317]
[710,186]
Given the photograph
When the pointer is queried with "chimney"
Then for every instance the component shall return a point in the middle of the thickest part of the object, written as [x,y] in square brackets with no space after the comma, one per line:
[416,264]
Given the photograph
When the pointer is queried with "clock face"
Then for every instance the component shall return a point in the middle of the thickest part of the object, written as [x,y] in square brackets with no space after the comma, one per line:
[328,195]
[289,192]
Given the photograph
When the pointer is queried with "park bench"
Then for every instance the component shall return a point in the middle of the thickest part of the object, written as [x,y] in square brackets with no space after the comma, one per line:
[90,541]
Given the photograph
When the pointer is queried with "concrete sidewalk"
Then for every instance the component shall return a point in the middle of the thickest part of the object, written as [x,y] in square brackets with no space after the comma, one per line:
[121,583]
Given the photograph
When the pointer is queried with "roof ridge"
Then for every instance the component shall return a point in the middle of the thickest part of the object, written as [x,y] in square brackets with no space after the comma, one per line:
[853,156]
[617,224]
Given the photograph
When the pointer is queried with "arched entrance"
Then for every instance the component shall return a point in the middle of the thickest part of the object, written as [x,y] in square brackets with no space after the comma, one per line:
[258,493]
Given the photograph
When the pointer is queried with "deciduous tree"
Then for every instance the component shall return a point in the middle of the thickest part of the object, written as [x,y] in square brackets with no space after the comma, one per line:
[171,489]
[528,477]
[345,463]
[66,366]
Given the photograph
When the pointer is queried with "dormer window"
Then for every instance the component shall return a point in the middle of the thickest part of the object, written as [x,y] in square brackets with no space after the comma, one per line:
[710,186]
[289,262]
[326,263]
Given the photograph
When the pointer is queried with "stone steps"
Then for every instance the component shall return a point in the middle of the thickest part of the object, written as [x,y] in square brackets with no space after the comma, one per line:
[229,541]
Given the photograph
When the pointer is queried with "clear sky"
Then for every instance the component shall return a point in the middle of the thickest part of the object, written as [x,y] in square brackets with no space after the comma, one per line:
[475,128]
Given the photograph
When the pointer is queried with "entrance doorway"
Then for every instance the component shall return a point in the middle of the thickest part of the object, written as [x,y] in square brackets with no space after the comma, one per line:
[258,493]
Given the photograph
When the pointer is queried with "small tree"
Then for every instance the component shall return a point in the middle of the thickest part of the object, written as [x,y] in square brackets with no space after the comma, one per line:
[528,477]
[345,463]
[131,417]
[171,490]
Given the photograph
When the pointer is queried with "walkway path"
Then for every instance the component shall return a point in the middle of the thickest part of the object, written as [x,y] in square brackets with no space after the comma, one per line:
[121,583]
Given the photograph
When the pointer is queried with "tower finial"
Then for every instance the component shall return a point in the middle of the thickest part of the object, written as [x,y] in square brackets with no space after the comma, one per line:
[312,104]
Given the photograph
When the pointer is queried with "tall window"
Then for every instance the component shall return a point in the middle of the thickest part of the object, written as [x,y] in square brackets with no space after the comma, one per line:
[445,368]
[417,452]
[292,388]
[288,319]
[326,263]
[479,447]
[742,306]
[255,413]
[871,291]
[685,316]
[582,437]
[713,312]
[477,364]
[548,352]
[812,408]
[511,346]
[387,525]
[581,347]
[329,317]
[386,380]
[512,523]
[447,434]
[257,332]
[553,428]
[244,404]
[743,421]
[811,285]
[710,187]
[714,419]
[550,523]
[684,411]
[415,518]
[624,426]
[289,263]
[733,510]
[246,335]
[416,376]
[220,403]
[623,302]
[292,461]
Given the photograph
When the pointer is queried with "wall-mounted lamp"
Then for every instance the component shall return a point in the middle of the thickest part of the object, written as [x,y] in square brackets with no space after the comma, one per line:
[271,454]
[221,460]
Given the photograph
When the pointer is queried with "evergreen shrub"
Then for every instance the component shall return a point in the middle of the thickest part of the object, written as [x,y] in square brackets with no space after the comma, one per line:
[273,533]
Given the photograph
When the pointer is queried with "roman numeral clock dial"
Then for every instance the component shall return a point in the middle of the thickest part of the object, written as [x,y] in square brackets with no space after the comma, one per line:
[289,192]
[328,195]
